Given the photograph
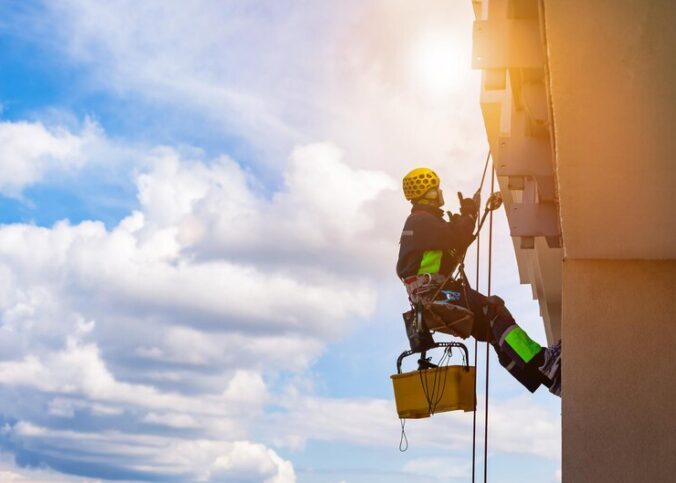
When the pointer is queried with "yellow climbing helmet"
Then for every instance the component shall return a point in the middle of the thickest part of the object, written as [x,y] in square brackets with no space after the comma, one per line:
[418,182]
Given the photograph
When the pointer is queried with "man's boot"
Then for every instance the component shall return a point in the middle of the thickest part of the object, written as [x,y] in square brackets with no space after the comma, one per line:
[551,367]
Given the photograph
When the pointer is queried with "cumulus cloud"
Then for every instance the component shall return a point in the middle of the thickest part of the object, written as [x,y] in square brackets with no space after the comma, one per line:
[29,151]
[518,425]
[144,455]
[170,328]
[150,50]
[10,471]
[71,282]
[438,469]
[79,369]
[252,463]
[324,211]
[186,285]
[80,375]
[175,420]
[355,83]
[148,264]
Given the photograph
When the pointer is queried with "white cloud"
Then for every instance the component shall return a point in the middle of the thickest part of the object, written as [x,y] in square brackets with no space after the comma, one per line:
[517,426]
[324,217]
[30,151]
[10,471]
[354,83]
[143,290]
[189,459]
[440,469]
[177,317]
[147,265]
[249,462]
[78,370]
[66,408]
[63,408]
[175,420]
[153,50]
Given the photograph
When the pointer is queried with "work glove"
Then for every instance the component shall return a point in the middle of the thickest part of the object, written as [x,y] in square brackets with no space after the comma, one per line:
[468,206]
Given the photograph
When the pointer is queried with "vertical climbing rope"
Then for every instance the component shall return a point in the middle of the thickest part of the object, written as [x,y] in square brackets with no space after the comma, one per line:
[476,349]
[476,344]
[488,292]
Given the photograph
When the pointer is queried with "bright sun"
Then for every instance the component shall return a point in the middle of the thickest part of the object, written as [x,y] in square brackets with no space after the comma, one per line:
[439,61]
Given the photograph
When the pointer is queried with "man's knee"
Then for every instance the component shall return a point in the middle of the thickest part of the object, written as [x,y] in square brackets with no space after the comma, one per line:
[489,310]
[495,307]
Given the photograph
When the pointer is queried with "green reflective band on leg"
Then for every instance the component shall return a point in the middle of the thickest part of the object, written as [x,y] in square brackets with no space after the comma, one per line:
[431,262]
[522,344]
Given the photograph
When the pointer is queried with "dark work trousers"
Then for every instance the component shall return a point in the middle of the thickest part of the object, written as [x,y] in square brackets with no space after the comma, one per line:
[493,323]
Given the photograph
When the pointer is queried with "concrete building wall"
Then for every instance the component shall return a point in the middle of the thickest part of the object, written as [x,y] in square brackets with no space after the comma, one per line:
[612,75]
[605,70]
[612,72]
[619,371]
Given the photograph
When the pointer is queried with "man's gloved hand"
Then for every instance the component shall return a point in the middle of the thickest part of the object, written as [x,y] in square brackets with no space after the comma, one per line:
[468,206]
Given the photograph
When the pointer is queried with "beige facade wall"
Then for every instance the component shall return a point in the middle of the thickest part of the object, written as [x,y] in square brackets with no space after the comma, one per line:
[579,102]
[612,73]
[619,371]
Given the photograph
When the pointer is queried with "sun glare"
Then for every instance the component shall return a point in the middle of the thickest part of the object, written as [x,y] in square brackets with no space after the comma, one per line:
[439,63]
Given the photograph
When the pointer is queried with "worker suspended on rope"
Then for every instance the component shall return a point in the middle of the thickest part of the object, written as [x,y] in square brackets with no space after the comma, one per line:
[431,249]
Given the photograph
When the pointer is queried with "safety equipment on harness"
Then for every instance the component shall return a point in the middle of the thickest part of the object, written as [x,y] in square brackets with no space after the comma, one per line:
[419,336]
[436,307]
[422,287]
[449,318]
[418,182]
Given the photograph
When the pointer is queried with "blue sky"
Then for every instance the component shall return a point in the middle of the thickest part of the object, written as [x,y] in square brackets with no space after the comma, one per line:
[200,209]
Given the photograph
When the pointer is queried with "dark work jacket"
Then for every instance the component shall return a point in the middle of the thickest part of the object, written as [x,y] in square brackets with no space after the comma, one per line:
[427,237]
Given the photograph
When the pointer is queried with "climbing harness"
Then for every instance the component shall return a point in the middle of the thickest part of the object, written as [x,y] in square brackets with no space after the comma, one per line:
[425,316]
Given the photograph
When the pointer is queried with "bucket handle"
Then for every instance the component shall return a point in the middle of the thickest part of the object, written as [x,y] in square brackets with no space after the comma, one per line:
[459,345]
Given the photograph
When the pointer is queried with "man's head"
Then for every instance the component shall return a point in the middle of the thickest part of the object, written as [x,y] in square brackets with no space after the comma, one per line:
[421,186]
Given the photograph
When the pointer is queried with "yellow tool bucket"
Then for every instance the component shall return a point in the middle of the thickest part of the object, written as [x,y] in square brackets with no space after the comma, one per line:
[421,393]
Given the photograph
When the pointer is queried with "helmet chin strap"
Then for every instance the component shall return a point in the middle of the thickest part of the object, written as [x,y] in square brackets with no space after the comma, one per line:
[440,197]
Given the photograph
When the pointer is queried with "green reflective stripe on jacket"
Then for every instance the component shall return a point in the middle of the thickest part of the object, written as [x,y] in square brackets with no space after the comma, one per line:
[522,344]
[431,262]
